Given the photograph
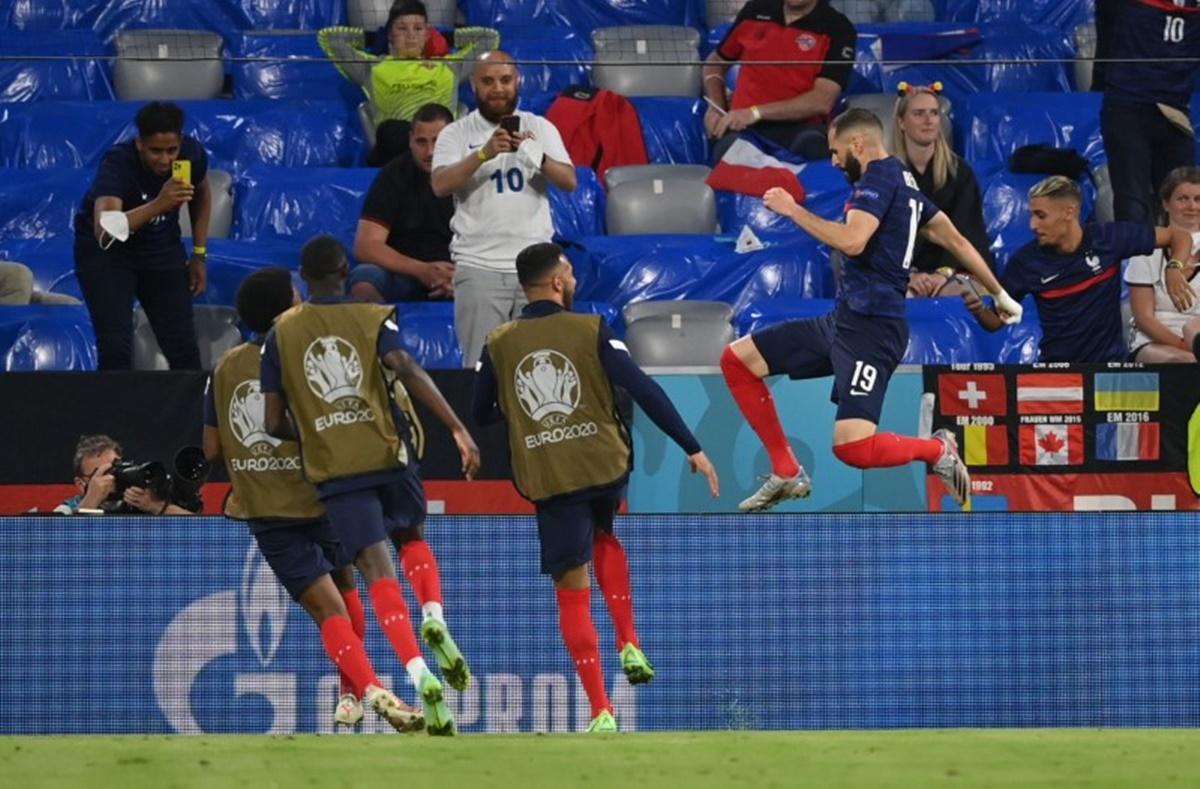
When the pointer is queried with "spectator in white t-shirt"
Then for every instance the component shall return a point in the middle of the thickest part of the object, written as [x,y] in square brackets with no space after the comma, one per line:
[499,180]
[1158,330]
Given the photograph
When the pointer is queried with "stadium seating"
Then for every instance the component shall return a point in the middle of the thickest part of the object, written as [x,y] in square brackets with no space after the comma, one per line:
[220,183]
[580,213]
[60,80]
[298,203]
[615,176]
[46,337]
[38,204]
[672,129]
[296,74]
[168,64]
[216,332]
[565,55]
[583,15]
[680,339]
[826,193]
[993,125]
[648,60]
[371,14]
[1085,54]
[862,12]
[708,310]
[664,204]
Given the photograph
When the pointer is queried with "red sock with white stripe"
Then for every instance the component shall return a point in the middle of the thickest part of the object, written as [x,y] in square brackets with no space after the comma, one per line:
[754,400]
[358,621]
[421,569]
[579,634]
[884,450]
[346,651]
[392,613]
[612,574]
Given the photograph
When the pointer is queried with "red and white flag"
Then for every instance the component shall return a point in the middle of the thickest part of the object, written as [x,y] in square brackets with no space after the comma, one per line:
[1051,445]
[753,165]
[1050,393]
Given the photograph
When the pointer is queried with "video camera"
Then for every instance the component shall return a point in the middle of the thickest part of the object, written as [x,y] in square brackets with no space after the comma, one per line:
[180,487]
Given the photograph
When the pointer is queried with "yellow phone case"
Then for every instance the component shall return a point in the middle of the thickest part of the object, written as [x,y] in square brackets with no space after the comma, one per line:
[181,170]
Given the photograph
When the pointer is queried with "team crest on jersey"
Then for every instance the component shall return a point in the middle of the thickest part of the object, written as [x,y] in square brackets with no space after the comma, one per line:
[333,370]
[1093,262]
[807,42]
[247,419]
[547,386]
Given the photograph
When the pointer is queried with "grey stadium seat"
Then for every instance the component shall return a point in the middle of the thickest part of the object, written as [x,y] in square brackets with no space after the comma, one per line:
[661,205]
[718,12]
[1103,211]
[647,60]
[1085,53]
[168,65]
[372,14]
[615,176]
[884,104]
[678,340]
[873,11]
[216,332]
[693,310]
[366,117]
[220,183]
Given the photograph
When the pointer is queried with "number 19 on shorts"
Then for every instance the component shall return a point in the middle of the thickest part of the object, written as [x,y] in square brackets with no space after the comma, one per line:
[863,380]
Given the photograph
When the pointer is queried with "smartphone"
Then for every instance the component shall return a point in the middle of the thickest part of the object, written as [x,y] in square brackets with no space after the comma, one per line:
[970,283]
[511,124]
[181,170]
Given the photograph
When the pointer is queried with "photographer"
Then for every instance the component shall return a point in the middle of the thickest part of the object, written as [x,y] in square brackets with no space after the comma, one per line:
[99,488]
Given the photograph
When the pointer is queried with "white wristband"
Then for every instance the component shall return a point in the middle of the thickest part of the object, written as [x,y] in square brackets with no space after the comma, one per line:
[1005,304]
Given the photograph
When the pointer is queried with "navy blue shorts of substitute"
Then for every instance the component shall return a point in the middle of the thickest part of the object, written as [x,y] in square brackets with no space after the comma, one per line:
[299,552]
[566,529]
[861,352]
[367,515]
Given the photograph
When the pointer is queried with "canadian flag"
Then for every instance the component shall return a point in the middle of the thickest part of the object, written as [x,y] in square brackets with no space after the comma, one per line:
[1051,445]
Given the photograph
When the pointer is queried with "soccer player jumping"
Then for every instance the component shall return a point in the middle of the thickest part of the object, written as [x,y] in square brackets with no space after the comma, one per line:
[864,338]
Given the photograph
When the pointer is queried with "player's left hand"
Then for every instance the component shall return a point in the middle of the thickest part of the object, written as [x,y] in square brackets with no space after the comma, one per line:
[778,200]
[197,271]
[1008,309]
[701,464]
[1179,289]
[468,452]
[144,500]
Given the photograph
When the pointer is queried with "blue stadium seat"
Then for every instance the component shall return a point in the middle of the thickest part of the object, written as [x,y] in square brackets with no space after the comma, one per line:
[826,193]
[1006,210]
[58,80]
[230,261]
[46,337]
[568,54]
[1015,344]
[427,331]
[1061,14]
[39,204]
[583,15]
[236,134]
[764,313]
[610,314]
[298,203]
[673,129]
[283,79]
[580,213]
[993,125]
[48,259]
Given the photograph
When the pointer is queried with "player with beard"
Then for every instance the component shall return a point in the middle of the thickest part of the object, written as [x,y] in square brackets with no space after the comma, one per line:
[499,163]
[864,338]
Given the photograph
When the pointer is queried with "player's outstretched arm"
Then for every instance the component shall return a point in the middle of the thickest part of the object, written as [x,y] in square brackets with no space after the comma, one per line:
[941,231]
[421,386]
[702,465]
[850,238]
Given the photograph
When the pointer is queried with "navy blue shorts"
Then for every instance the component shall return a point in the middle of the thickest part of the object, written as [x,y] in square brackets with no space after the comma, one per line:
[300,554]
[566,529]
[861,352]
[368,515]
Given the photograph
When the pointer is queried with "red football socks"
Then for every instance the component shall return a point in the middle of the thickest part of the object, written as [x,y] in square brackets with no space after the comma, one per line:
[575,621]
[612,574]
[392,613]
[754,400]
[421,568]
[358,621]
[346,651]
[888,449]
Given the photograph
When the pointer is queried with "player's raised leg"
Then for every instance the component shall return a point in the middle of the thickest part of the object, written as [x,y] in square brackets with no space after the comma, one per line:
[612,576]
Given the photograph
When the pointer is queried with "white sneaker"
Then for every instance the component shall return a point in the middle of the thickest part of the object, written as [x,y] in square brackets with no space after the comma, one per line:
[349,711]
[402,717]
[777,489]
[950,468]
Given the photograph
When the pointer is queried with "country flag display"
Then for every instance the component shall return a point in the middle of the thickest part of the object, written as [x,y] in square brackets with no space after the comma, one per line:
[1050,393]
[1052,445]
[1126,391]
[985,445]
[972,394]
[1127,441]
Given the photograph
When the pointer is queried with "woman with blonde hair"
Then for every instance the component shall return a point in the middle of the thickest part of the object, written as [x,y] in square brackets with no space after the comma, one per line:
[1158,331]
[919,141]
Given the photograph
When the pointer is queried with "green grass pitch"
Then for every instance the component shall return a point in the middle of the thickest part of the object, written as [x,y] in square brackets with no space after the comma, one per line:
[913,758]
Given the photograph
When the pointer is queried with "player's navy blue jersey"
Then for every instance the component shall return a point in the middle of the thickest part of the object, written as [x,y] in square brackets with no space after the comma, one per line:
[874,282]
[1155,30]
[1079,294]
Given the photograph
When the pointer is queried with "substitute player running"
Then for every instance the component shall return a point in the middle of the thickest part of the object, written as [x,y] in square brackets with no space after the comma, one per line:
[864,338]
[322,362]
[550,373]
[279,506]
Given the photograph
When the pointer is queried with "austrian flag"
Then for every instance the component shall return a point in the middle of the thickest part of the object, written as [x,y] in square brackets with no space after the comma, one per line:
[1050,393]
[1051,445]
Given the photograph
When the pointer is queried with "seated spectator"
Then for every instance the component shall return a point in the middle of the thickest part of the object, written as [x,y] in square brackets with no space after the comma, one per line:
[806,50]
[1158,325]
[16,287]
[919,140]
[94,459]
[418,69]
[403,238]
[1071,271]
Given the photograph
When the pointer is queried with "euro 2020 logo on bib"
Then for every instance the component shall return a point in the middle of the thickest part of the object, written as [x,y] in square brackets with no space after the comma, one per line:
[333,369]
[547,386]
[247,418]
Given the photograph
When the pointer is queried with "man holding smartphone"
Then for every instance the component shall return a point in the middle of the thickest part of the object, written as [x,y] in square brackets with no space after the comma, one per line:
[128,242]
[498,162]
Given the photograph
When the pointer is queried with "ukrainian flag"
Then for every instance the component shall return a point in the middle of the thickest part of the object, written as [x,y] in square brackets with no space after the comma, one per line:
[1126,391]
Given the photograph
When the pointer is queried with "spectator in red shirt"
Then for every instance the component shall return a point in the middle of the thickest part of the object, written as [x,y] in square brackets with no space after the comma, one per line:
[806,51]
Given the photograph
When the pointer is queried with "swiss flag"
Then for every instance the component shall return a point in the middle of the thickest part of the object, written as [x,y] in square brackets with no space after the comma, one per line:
[972,394]
[1051,445]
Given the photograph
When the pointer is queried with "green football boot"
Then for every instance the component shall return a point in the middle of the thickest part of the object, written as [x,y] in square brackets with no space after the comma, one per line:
[452,663]
[638,670]
[604,723]
[438,720]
